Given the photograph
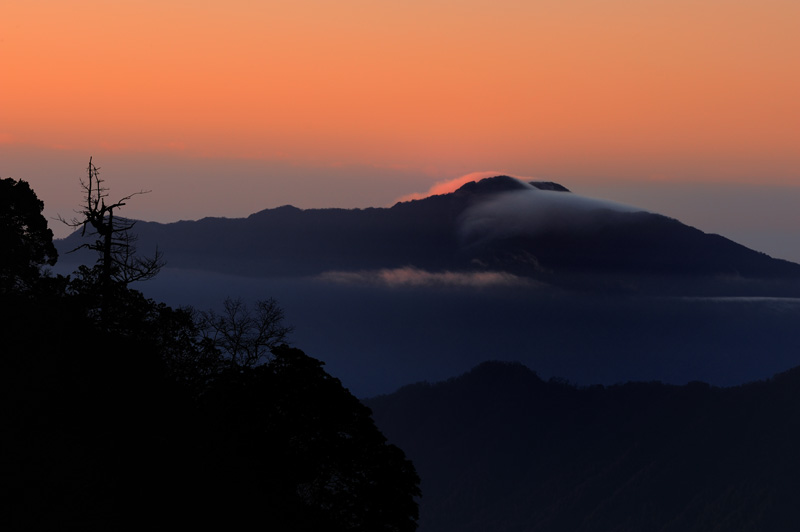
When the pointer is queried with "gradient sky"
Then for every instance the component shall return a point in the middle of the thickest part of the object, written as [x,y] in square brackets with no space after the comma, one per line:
[225,108]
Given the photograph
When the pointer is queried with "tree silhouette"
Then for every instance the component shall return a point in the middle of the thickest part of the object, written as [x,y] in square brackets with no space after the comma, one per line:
[118,261]
[25,239]
[244,336]
[222,423]
[287,438]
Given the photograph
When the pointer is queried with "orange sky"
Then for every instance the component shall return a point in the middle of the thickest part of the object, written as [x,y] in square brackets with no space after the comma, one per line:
[572,90]
[438,84]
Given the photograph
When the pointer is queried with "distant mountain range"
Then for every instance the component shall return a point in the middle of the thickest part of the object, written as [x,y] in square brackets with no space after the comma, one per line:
[499,269]
[500,449]
[537,231]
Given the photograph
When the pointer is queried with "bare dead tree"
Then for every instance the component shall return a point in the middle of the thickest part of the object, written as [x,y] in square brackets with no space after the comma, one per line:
[118,263]
[246,337]
[118,259]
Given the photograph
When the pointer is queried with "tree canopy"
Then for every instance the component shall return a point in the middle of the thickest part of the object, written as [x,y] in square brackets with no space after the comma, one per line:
[137,415]
[25,239]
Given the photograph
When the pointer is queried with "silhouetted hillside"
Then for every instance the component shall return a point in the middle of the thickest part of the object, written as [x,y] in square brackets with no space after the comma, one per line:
[500,449]
[121,413]
[535,230]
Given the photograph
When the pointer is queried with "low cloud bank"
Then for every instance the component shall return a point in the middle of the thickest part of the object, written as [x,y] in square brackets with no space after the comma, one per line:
[533,211]
[529,210]
[414,277]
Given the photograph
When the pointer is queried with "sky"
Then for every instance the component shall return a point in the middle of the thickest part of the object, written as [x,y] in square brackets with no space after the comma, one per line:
[688,108]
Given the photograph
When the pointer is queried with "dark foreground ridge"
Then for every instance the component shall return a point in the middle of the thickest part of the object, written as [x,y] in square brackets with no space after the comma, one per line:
[121,413]
[500,449]
[140,427]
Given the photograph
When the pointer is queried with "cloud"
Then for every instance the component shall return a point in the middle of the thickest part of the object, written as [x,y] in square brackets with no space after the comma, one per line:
[532,211]
[414,277]
[451,185]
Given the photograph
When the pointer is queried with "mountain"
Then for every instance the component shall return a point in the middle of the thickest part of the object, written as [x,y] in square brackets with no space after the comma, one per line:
[500,449]
[538,231]
[591,291]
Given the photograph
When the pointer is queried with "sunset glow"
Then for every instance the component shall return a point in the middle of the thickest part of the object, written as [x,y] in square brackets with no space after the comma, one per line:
[609,84]
[580,92]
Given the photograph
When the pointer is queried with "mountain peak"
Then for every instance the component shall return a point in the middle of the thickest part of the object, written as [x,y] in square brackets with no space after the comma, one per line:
[492,185]
[504,183]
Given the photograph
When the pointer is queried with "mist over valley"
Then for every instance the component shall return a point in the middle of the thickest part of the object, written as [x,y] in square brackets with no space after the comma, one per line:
[501,269]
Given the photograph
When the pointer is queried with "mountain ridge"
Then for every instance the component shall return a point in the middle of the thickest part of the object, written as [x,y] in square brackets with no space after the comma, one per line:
[451,282]
[536,230]
[499,448]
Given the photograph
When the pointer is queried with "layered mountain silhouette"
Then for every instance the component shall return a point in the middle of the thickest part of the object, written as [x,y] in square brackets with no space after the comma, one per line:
[501,449]
[536,230]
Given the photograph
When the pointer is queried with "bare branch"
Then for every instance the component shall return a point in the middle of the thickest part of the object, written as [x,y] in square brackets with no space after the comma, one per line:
[118,258]
[245,337]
